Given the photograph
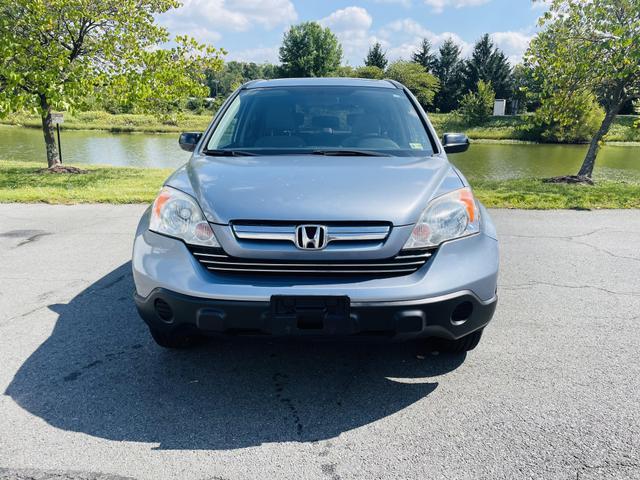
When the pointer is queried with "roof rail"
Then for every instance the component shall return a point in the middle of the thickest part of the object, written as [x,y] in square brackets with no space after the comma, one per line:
[251,82]
[394,83]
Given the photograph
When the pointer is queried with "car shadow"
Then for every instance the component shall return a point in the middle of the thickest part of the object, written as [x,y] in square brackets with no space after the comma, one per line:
[100,373]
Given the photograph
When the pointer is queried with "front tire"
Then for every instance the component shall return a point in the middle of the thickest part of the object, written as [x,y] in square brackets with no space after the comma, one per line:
[462,345]
[173,340]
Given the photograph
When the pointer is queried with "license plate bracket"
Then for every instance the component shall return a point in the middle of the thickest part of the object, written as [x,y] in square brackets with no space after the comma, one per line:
[310,312]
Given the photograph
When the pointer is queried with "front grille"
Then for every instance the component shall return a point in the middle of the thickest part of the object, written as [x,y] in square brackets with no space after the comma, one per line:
[405,263]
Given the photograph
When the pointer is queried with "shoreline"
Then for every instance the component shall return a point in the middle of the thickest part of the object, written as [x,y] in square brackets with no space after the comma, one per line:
[498,130]
[24,182]
[174,130]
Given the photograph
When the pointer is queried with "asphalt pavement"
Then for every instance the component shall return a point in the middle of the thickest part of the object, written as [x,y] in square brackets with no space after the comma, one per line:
[552,392]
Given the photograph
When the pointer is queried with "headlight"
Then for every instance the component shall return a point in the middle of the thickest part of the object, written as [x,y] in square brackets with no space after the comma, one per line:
[178,215]
[452,215]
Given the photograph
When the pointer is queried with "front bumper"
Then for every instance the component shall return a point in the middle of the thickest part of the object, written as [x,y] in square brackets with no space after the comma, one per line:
[466,264]
[451,316]
[462,270]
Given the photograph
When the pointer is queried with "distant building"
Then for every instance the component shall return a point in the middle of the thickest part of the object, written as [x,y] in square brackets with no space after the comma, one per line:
[500,108]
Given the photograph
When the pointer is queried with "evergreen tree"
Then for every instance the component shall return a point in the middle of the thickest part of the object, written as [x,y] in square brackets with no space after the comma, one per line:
[309,50]
[424,57]
[449,69]
[489,64]
[376,57]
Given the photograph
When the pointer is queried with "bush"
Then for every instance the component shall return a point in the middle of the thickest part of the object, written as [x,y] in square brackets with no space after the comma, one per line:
[195,104]
[477,107]
[344,71]
[413,76]
[567,117]
[373,72]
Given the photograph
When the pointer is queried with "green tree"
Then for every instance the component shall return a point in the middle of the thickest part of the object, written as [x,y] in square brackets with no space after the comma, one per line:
[579,118]
[423,56]
[224,81]
[376,57]
[163,78]
[449,70]
[488,63]
[527,88]
[345,71]
[477,107]
[308,50]
[53,53]
[413,76]
[372,72]
[590,47]
[269,70]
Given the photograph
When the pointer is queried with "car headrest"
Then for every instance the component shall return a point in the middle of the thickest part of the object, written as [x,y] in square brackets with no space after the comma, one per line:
[279,119]
[367,125]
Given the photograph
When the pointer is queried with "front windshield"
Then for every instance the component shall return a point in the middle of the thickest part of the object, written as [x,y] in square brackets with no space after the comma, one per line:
[285,120]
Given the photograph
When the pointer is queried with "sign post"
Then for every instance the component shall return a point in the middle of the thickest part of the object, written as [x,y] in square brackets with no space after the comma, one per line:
[57,119]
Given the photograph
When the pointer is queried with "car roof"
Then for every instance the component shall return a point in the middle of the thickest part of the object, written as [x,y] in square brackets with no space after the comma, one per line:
[322,82]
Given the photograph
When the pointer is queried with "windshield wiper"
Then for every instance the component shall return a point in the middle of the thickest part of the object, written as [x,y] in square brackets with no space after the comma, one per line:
[228,153]
[349,153]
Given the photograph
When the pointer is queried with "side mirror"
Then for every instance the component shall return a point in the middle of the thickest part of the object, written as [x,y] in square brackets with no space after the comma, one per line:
[189,140]
[455,142]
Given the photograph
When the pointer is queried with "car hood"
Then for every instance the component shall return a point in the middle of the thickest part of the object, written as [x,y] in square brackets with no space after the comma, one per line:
[305,188]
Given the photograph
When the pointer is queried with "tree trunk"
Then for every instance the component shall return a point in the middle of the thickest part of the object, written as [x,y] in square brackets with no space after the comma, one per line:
[586,170]
[53,156]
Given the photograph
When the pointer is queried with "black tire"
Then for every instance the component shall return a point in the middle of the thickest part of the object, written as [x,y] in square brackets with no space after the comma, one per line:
[173,340]
[462,345]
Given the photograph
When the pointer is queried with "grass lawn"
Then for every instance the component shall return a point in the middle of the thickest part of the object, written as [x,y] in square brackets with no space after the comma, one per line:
[21,182]
[533,194]
[498,128]
[521,128]
[116,123]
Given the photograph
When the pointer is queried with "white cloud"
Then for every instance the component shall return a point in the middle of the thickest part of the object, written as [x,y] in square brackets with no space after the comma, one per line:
[513,44]
[403,37]
[439,5]
[257,55]
[348,19]
[352,27]
[541,4]
[404,3]
[204,19]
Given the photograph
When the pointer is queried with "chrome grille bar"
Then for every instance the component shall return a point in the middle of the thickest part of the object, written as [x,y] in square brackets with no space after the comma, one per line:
[216,260]
[287,233]
[307,270]
[353,265]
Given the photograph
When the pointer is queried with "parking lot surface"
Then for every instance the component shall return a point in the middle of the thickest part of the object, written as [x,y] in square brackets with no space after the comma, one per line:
[552,392]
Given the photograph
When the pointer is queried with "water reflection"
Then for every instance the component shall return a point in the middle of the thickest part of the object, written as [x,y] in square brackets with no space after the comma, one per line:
[490,161]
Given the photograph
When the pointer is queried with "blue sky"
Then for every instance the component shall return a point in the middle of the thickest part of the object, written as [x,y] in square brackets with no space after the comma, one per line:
[252,30]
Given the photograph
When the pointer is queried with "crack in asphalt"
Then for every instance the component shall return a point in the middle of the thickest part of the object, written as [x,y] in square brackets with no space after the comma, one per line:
[572,238]
[607,252]
[28,236]
[522,286]
[34,474]
[613,466]
[280,381]
[94,291]
[107,357]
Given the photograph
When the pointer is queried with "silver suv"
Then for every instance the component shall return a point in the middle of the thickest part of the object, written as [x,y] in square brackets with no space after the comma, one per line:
[313,207]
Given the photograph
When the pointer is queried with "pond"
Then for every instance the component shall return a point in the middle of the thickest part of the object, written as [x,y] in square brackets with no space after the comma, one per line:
[483,160]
